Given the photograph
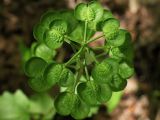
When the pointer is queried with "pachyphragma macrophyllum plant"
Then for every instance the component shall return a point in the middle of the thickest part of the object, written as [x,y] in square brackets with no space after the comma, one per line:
[82,89]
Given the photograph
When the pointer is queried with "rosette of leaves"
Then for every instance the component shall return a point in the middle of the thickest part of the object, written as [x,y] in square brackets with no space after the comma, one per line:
[87,79]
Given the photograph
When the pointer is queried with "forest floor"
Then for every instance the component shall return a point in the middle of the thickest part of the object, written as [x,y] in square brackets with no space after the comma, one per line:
[141,99]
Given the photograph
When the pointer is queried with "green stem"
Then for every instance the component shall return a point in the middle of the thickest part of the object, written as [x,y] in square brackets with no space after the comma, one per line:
[85,32]
[100,55]
[69,38]
[93,39]
[86,71]
[75,55]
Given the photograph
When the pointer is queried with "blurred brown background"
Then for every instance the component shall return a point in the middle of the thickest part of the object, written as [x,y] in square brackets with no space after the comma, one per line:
[141,17]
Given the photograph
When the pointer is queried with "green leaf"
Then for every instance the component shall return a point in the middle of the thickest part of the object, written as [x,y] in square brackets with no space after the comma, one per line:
[102,72]
[21,100]
[107,15]
[39,84]
[54,36]
[116,53]
[104,93]
[89,57]
[77,34]
[87,92]
[110,28]
[42,51]
[92,11]
[10,110]
[64,103]
[80,109]
[117,83]
[119,39]
[114,63]
[42,104]
[52,74]
[24,51]
[127,49]
[114,101]
[125,71]
[48,17]
[32,49]
[38,32]
[68,16]
[53,39]
[35,66]
[59,25]
[66,78]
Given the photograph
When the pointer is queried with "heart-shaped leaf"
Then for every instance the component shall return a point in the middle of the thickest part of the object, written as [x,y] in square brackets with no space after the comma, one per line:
[42,51]
[110,28]
[119,39]
[92,11]
[104,71]
[43,104]
[66,78]
[117,83]
[106,15]
[64,103]
[10,110]
[80,109]
[125,71]
[52,73]
[34,67]
[104,93]
[39,84]
[38,32]
[54,36]
[87,92]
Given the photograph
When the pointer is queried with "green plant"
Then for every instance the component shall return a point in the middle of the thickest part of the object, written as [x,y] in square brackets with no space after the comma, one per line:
[77,28]
[18,106]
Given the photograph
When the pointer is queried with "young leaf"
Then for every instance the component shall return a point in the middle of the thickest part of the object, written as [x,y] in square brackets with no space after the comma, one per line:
[39,84]
[22,100]
[125,71]
[52,73]
[87,92]
[10,110]
[32,49]
[42,51]
[80,109]
[106,15]
[110,28]
[64,103]
[35,66]
[38,32]
[66,78]
[104,93]
[116,53]
[59,25]
[127,49]
[114,101]
[102,73]
[42,103]
[117,83]
[48,17]
[68,16]
[119,39]
[54,36]
[77,34]
[92,11]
